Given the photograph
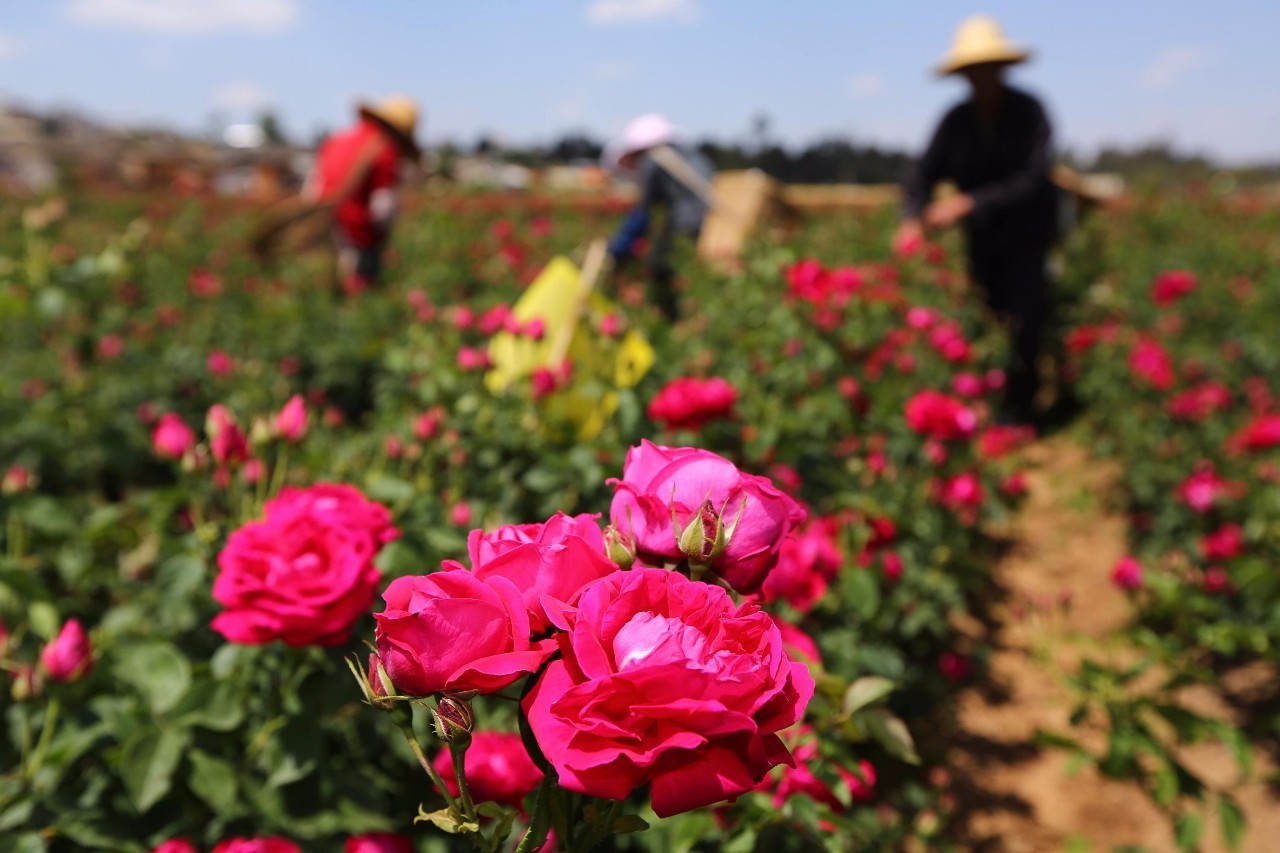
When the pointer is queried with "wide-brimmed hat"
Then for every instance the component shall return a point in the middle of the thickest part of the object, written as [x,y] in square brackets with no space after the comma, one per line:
[980,40]
[399,114]
[640,134]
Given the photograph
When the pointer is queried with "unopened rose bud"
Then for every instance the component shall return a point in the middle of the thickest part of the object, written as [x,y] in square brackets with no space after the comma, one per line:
[260,431]
[17,480]
[703,538]
[619,547]
[454,720]
[374,682]
[26,685]
[69,655]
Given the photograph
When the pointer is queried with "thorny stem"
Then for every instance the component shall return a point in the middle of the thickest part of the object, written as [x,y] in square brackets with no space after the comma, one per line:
[458,754]
[431,771]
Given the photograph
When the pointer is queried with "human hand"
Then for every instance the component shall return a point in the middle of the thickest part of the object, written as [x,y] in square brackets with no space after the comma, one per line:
[948,211]
[908,239]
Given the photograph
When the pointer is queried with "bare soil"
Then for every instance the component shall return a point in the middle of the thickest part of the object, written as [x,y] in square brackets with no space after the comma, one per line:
[1014,796]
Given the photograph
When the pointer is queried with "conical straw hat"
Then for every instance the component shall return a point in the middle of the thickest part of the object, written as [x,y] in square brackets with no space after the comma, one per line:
[980,40]
[399,113]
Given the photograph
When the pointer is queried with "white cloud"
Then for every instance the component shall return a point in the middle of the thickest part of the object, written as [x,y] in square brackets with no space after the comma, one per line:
[1171,65]
[241,97]
[9,46]
[866,85]
[642,11]
[187,17]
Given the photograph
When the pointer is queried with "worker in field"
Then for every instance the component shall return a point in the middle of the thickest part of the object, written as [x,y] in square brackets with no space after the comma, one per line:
[674,183]
[357,172]
[995,147]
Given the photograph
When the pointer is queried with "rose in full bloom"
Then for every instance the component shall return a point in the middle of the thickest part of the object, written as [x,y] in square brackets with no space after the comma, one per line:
[690,483]
[378,842]
[961,492]
[938,416]
[498,768]
[555,559]
[1204,489]
[1172,285]
[1150,362]
[305,573]
[451,631]
[1224,543]
[664,681]
[1259,434]
[808,560]
[272,844]
[69,655]
[1199,402]
[689,403]
[172,438]
[1127,574]
[291,421]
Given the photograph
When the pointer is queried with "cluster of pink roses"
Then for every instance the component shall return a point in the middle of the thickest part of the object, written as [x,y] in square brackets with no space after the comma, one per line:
[659,679]
[228,443]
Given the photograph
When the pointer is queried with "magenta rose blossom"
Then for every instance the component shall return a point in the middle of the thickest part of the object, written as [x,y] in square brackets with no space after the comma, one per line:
[69,655]
[498,768]
[689,403]
[938,416]
[305,573]
[273,844]
[378,842]
[555,559]
[175,845]
[657,481]
[664,681]
[172,438]
[451,631]
[291,421]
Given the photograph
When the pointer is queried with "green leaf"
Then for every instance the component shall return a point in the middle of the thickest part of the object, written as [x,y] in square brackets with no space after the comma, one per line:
[388,489]
[1231,820]
[29,842]
[214,781]
[148,762]
[628,823]
[865,691]
[213,706]
[45,515]
[1187,831]
[157,670]
[892,734]
[43,619]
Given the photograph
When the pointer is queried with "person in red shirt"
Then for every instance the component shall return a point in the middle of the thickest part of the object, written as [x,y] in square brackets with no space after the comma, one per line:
[357,171]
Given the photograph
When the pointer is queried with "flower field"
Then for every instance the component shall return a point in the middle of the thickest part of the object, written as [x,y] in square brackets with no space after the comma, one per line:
[705,603]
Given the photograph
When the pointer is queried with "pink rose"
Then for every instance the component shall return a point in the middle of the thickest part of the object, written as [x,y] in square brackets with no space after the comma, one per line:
[938,416]
[664,681]
[998,441]
[555,560]
[807,561]
[110,347]
[273,844]
[1259,434]
[963,491]
[69,655]
[378,842]
[1127,574]
[172,438]
[17,479]
[659,481]
[291,421]
[305,573]
[690,403]
[451,631]
[1171,286]
[798,645]
[175,845]
[801,780]
[1150,362]
[1224,543]
[498,769]
[1204,489]
[220,364]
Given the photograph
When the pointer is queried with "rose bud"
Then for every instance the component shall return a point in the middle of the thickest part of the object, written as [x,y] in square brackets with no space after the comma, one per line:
[69,655]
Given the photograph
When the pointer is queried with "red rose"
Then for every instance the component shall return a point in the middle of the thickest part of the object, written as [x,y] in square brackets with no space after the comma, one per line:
[1127,574]
[305,573]
[273,844]
[1171,286]
[378,842]
[175,845]
[1150,362]
[498,768]
[938,416]
[451,631]
[1224,543]
[689,403]
[172,438]
[664,681]
[556,559]
[659,481]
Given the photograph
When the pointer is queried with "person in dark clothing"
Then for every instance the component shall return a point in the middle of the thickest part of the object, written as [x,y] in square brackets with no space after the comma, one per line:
[675,183]
[996,148]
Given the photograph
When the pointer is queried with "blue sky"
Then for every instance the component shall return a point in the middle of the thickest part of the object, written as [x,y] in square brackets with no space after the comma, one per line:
[1203,75]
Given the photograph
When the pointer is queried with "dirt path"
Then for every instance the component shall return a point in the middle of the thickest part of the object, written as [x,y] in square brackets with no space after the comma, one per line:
[1014,796]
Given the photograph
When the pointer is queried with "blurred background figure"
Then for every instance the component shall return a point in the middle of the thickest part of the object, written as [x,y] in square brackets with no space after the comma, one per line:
[995,147]
[674,182]
[357,172]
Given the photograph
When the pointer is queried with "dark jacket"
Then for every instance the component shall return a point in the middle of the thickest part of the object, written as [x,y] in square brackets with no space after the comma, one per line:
[1004,167]
[684,209]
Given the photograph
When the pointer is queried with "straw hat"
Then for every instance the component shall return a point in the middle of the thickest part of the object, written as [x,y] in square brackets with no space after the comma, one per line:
[640,134]
[980,40]
[399,114]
